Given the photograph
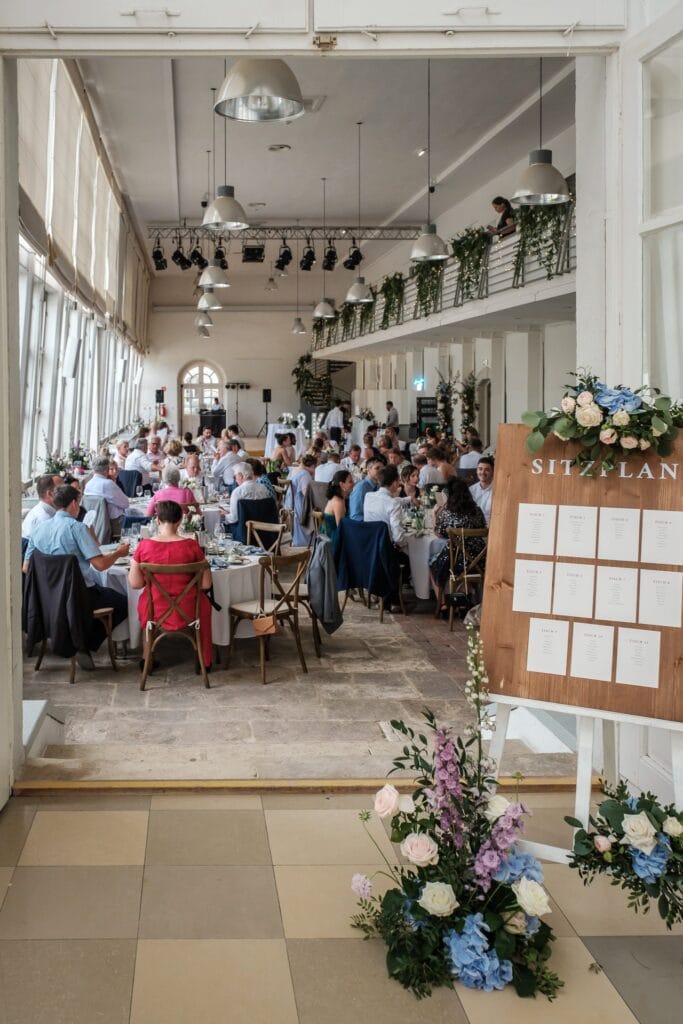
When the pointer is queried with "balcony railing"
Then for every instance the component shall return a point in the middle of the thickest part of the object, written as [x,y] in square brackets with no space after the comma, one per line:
[507,263]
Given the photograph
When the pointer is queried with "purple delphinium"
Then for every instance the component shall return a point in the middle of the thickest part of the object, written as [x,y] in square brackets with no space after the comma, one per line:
[504,834]
[447,787]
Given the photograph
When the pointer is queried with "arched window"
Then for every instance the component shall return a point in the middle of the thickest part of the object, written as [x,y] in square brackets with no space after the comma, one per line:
[200,386]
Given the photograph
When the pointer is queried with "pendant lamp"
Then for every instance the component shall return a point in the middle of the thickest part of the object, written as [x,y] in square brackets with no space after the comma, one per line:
[260,89]
[203,332]
[298,325]
[541,183]
[325,309]
[429,247]
[209,301]
[203,320]
[213,276]
[359,294]
[224,213]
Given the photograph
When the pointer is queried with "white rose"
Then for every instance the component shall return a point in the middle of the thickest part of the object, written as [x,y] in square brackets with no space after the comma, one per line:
[589,415]
[672,827]
[639,832]
[643,444]
[438,899]
[406,804]
[387,801]
[629,441]
[420,849]
[567,404]
[584,398]
[608,435]
[532,897]
[515,924]
[621,418]
[496,808]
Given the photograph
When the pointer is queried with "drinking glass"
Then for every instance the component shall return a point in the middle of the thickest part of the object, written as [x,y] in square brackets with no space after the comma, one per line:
[138,491]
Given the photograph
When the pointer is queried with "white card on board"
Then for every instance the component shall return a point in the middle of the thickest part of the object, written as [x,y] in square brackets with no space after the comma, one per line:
[535,529]
[616,593]
[533,586]
[638,657]
[592,647]
[573,591]
[619,534]
[662,537]
[577,527]
[660,597]
[548,643]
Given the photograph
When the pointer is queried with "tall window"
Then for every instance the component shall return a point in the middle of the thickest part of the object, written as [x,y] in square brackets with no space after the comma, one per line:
[200,386]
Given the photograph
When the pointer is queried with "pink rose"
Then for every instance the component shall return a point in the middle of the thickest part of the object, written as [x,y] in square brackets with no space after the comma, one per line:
[420,849]
[629,441]
[584,398]
[608,436]
[602,844]
[567,404]
[387,801]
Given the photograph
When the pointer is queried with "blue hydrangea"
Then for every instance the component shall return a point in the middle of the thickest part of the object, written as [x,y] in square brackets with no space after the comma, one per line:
[649,866]
[615,399]
[408,916]
[472,962]
[532,924]
[632,802]
[519,865]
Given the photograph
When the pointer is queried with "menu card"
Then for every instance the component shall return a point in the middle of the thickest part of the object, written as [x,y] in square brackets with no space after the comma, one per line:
[618,535]
[533,586]
[536,529]
[660,597]
[662,537]
[547,649]
[638,657]
[577,527]
[616,593]
[592,646]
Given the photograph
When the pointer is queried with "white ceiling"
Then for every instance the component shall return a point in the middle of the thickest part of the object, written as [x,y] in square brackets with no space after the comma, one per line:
[154,116]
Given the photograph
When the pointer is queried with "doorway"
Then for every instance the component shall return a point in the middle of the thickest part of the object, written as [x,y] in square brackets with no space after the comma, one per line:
[199,385]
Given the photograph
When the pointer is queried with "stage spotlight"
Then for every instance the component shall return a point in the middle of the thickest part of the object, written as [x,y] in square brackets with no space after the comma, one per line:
[253,253]
[197,256]
[284,257]
[158,256]
[180,259]
[308,258]
[219,255]
[354,258]
[330,258]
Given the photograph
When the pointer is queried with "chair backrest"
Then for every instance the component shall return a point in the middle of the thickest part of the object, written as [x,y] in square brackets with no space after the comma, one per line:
[365,557]
[153,575]
[128,480]
[55,602]
[261,510]
[318,518]
[284,588]
[462,563]
[319,495]
[129,520]
[266,535]
[102,524]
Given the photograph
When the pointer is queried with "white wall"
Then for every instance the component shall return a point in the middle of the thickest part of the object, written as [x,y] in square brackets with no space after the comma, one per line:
[256,348]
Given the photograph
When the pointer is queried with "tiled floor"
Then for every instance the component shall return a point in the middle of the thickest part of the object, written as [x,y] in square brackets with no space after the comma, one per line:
[328,723]
[228,909]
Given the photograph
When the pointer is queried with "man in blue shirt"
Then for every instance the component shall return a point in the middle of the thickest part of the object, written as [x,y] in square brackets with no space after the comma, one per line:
[365,486]
[64,535]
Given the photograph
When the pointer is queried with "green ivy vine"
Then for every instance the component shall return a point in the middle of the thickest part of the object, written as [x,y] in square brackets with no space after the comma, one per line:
[318,331]
[539,230]
[331,328]
[367,313]
[469,249]
[347,317]
[392,292]
[428,278]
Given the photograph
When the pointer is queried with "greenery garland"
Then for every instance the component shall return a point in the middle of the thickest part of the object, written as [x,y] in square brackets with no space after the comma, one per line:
[367,313]
[428,278]
[446,400]
[331,329]
[392,291]
[539,230]
[347,316]
[469,249]
[468,401]
[318,330]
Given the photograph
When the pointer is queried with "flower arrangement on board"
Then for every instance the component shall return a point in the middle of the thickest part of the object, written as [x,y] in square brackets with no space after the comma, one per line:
[53,462]
[639,844]
[193,522]
[79,455]
[468,903]
[609,423]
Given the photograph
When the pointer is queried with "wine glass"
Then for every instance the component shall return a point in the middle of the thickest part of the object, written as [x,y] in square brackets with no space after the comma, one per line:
[138,491]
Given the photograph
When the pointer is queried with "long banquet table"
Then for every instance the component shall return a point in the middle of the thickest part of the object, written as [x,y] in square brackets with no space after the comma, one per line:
[420,550]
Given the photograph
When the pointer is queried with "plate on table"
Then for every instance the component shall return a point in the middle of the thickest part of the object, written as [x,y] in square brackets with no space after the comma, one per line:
[124,560]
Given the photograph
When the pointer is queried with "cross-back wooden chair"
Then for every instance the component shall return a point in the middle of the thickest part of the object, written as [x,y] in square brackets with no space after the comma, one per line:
[266,535]
[318,518]
[466,571]
[156,630]
[281,576]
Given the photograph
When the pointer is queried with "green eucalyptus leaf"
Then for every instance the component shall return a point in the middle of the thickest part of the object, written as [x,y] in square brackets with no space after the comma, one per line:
[659,424]
[532,419]
[534,441]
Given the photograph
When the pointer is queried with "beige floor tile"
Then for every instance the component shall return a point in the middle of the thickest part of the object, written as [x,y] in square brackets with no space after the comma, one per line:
[547,825]
[340,981]
[5,879]
[317,801]
[586,996]
[206,802]
[91,802]
[325,837]
[209,903]
[317,901]
[72,903]
[207,837]
[600,908]
[57,982]
[86,837]
[213,982]
[16,819]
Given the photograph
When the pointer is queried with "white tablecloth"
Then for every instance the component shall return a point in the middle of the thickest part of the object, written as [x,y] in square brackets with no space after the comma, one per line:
[420,550]
[359,429]
[213,513]
[230,586]
[281,428]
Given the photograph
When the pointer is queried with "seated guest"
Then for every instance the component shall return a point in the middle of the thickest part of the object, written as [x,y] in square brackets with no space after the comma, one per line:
[352,462]
[113,471]
[283,456]
[431,473]
[167,548]
[470,459]
[172,491]
[76,484]
[192,469]
[384,505]
[391,438]
[395,458]
[247,487]
[482,491]
[261,477]
[409,486]
[206,442]
[139,460]
[173,450]
[234,433]
[228,455]
[155,453]
[327,468]
[44,508]
[122,453]
[365,486]
[100,485]
[338,491]
[189,447]
[460,511]
[437,458]
[64,535]
[368,451]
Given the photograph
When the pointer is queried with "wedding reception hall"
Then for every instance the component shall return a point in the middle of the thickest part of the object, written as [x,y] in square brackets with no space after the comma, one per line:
[343,520]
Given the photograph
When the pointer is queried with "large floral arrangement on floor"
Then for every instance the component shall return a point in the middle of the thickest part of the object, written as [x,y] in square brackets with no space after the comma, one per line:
[467,904]
[639,844]
[609,423]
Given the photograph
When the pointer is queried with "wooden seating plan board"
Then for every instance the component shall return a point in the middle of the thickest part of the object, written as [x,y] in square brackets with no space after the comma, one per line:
[583,594]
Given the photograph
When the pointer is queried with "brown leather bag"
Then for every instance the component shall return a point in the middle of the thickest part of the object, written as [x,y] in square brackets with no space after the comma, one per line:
[265,625]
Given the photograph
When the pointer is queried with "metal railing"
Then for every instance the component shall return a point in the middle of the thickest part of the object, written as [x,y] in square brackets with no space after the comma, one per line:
[504,267]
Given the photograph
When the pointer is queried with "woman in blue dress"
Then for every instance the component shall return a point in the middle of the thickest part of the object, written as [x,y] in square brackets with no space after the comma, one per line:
[338,491]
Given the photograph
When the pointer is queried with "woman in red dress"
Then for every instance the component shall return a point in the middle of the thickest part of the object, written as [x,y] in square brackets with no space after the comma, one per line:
[170,549]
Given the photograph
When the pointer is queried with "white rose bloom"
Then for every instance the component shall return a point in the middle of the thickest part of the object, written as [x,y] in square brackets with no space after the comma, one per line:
[639,832]
[621,418]
[643,444]
[672,827]
[589,415]
[438,899]
[406,804]
[584,398]
[495,808]
[532,897]
[567,404]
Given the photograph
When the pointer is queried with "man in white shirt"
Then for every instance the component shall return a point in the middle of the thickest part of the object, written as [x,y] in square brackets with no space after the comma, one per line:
[216,405]
[351,462]
[44,508]
[482,491]
[470,459]
[247,488]
[430,473]
[384,505]
[228,455]
[140,461]
[206,442]
[392,416]
[326,470]
[100,486]
[334,421]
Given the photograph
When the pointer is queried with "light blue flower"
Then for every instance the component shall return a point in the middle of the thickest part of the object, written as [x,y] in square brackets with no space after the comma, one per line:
[532,924]
[615,399]
[472,962]
[632,802]
[649,866]
[517,865]
[414,925]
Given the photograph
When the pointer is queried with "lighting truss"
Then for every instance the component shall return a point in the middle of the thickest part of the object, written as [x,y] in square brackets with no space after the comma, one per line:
[297,232]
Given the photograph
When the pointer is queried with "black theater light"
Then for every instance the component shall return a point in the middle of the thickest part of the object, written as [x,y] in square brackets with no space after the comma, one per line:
[158,256]
[330,257]
[284,257]
[253,253]
[308,256]
[354,258]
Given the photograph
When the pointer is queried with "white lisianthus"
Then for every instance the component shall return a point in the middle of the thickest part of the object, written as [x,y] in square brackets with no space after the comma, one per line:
[629,441]
[495,808]
[568,404]
[532,897]
[672,827]
[438,899]
[387,801]
[621,418]
[608,435]
[584,398]
[639,832]
[589,415]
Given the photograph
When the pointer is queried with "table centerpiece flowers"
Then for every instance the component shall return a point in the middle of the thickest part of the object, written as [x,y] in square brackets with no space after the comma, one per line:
[193,522]
[610,424]
[638,843]
[466,904]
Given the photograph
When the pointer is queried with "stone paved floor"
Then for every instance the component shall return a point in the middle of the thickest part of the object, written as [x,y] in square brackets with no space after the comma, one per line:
[331,722]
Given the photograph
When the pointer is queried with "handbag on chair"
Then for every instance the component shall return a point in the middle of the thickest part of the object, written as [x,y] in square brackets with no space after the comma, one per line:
[265,625]
[463,601]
